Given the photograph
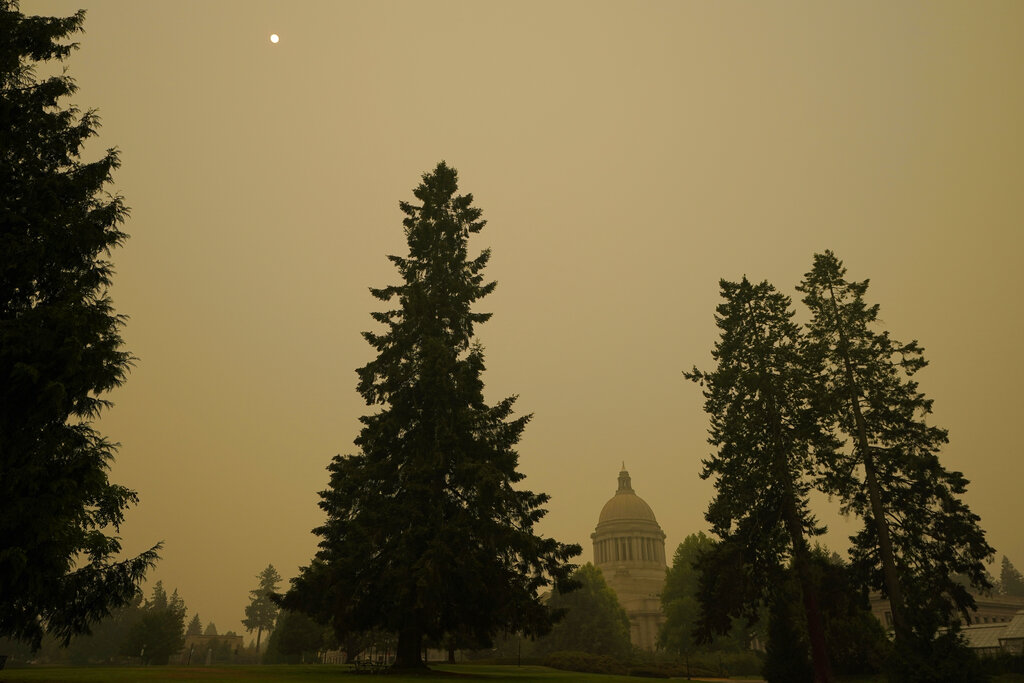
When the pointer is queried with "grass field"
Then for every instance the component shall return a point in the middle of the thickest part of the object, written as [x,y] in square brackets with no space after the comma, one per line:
[323,673]
[328,674]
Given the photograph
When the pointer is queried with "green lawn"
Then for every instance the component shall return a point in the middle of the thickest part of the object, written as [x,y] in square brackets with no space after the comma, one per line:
[284,674]
[465,673]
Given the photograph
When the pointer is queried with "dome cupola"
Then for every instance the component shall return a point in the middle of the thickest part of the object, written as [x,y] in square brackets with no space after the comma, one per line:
[625,504]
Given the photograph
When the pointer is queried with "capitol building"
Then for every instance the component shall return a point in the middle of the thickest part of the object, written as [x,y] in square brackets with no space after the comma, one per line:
[629,549]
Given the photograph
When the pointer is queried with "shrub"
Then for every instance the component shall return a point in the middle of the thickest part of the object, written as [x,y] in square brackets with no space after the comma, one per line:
[585,662]
[945,659]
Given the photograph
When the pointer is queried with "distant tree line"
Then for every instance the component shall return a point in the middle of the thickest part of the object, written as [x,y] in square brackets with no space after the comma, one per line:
[146,631]
[152,631]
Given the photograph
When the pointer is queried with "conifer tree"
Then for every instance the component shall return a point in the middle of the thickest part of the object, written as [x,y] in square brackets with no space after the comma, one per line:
[60,349]
[261,612]
[1011,581]
[160,632]
[427,533]
[195,627]
[766,431]
[917,533]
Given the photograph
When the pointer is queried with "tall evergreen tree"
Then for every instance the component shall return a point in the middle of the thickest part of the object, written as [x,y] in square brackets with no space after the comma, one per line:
[426,532]
[1011,581]
[60,349]
[195,627]
[765,431]
[261,612]
[917,533]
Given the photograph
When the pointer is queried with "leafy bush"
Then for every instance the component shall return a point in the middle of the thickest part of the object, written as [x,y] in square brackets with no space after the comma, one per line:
[1004,663]
[945,659]
[585,663]
[712,664]
[745,663]
[648,665]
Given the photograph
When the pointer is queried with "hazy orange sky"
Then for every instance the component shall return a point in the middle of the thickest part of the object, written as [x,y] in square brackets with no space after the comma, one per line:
[626,155]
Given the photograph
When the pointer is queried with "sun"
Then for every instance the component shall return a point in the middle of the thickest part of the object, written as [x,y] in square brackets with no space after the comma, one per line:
[274,37]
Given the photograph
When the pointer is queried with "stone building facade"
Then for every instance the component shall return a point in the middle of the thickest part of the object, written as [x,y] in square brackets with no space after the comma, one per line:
[629,549]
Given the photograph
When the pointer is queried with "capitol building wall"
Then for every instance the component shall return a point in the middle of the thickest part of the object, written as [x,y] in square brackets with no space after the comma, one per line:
[629,549]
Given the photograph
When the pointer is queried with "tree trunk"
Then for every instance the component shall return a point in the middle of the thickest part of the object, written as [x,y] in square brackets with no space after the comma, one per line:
[451,654]
[885,551]
[259,632]
[352,648]
[408,654]
[801,554]
[812,608]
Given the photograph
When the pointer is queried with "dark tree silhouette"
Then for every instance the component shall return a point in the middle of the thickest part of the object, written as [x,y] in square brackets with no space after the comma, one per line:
[766,431]
[918,533]
[856,640]
[426,532]
[160,632]
[295,639]
[261,612]
[1011,581]
[60,349]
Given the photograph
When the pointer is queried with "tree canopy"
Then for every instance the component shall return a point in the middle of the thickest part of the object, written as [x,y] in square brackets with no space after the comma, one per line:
[60,349]
[160,632]
[427,533]
[766,432]
[681,603]
[918,534]
[295,638]
[833,407]
[855,638]
[261,612]
[594,620]
[1011,581]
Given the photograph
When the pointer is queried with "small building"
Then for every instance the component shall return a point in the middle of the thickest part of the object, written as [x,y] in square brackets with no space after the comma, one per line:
[989,609]
[1012,639]
[997,638]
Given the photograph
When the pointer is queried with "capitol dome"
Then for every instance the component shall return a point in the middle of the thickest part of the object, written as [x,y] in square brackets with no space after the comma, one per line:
[629,549]
[626,505]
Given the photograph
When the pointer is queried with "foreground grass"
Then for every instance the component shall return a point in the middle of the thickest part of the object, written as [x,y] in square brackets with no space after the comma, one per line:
[321,673]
